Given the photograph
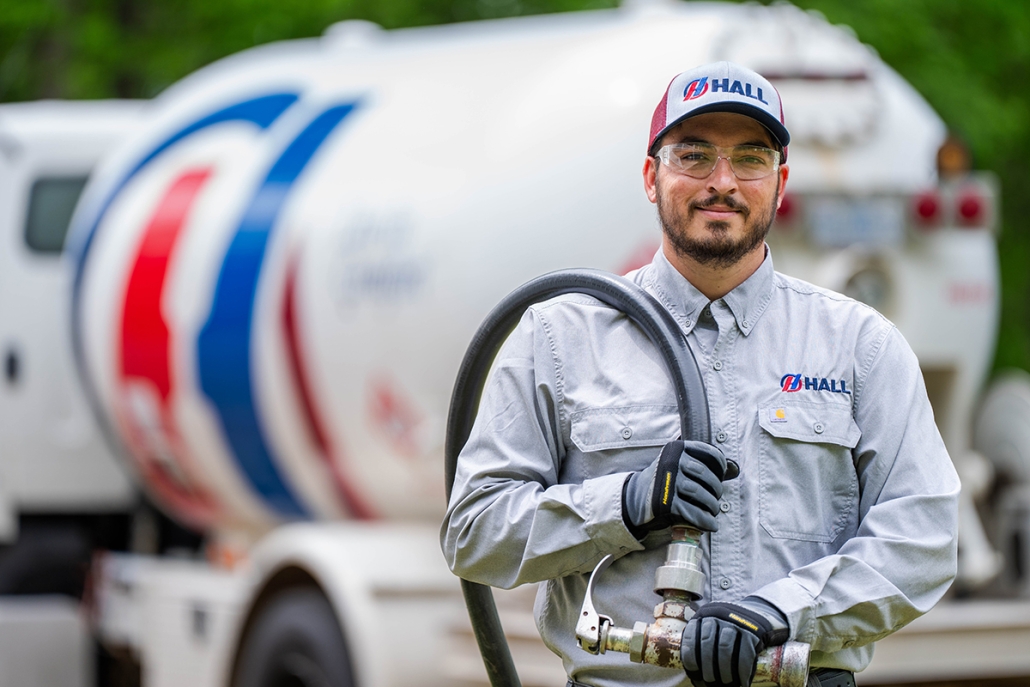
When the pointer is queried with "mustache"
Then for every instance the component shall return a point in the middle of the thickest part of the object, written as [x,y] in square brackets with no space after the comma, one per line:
[726,201]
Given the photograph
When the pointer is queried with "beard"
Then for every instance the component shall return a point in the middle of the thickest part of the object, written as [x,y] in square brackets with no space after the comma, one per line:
[716,247]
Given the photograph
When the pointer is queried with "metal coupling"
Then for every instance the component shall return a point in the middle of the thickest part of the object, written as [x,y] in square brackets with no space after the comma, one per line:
[682,569]
[785,665]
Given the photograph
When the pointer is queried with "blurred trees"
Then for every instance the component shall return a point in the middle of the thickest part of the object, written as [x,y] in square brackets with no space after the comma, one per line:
[135,48]
[971,60]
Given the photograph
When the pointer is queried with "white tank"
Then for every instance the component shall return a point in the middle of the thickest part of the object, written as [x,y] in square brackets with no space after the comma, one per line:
[276,281]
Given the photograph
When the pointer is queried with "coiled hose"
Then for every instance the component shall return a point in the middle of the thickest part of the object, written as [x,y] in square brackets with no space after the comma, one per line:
[646,313]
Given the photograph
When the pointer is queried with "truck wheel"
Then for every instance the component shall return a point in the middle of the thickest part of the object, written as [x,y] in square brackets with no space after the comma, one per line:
[294,640]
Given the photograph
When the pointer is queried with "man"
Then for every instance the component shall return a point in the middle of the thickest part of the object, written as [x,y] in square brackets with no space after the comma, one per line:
[841,525]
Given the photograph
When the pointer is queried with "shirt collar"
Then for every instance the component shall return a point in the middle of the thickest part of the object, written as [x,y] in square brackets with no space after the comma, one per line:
[747,302]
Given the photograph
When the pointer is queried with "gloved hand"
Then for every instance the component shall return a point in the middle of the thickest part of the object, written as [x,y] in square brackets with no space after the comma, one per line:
[722,641]
[682,486]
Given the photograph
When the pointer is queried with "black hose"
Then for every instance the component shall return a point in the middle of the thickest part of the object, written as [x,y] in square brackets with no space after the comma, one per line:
[646,313]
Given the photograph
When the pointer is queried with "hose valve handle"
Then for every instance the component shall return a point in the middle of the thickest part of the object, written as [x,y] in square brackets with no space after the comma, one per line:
[592,627]
[597,633]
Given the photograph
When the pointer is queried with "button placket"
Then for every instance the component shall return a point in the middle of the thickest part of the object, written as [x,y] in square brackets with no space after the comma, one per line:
[725,558]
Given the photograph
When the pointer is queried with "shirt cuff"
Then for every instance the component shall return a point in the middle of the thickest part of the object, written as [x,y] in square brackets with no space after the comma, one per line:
[604,523]
[793,600]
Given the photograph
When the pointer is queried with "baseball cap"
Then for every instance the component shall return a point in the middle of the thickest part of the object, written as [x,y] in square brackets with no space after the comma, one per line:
[719,87]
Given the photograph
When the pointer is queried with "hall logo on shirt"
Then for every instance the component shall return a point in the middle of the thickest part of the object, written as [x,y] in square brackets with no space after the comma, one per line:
[798,382]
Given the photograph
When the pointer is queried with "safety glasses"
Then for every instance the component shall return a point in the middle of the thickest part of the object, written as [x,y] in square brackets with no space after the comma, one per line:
[698,160]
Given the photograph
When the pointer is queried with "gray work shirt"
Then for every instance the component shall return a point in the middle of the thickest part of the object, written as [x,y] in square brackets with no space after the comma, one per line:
[845,512]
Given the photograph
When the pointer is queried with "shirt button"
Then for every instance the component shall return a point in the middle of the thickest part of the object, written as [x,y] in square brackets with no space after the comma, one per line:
[720,437]
[724,507]
[717,365]
[627,432]
[818,428]
[745,324]
[725,583]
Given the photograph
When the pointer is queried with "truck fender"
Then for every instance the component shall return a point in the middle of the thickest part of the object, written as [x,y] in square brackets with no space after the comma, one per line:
[387,584]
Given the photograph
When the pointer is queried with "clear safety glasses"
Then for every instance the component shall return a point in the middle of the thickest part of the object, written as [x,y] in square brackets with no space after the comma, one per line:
[697,160]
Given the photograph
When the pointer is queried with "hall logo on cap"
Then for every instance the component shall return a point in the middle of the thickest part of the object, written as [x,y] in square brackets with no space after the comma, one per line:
[736,87]
[696,88]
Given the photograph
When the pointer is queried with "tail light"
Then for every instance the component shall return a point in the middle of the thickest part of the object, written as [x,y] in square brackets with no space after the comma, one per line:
[927,210]
[970,208]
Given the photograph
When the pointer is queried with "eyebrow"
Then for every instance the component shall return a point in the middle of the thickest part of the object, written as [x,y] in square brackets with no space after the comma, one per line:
[756,143]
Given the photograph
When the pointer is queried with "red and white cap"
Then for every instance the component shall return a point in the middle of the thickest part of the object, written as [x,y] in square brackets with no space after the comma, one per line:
[719,87]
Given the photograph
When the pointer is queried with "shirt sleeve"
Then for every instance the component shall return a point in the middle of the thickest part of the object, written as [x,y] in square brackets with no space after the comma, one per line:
[510,521]
[904,556]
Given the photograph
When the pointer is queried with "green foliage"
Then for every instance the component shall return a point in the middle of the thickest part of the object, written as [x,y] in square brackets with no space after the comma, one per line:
[136,48]
[971,60]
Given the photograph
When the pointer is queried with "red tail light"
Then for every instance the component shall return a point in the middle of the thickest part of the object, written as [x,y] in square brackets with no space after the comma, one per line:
[927,209]
[970,208]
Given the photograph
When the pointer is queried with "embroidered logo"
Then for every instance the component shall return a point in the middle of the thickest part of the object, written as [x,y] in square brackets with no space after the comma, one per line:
[696,88]
[797,382]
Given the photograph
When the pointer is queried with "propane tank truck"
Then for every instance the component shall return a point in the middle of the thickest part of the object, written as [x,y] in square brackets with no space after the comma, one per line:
[270,280]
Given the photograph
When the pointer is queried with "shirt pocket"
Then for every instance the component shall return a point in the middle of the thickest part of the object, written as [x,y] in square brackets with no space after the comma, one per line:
[807,482]
[601,429]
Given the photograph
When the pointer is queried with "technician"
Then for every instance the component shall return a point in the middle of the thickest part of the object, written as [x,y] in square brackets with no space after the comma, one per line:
[841,527]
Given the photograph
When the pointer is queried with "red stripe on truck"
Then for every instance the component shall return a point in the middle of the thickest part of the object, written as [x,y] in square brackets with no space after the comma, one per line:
[351,497]
[146,380]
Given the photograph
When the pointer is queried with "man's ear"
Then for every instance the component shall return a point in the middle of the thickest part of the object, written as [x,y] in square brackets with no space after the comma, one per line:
[784,172]
[650,178]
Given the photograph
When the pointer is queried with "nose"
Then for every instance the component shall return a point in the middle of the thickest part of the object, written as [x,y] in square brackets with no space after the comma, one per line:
[722,180]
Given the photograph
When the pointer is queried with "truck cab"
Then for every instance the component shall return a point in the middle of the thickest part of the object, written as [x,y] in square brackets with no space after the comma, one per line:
[55,458]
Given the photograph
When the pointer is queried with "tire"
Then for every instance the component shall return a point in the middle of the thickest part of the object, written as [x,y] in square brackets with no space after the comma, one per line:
[294,640]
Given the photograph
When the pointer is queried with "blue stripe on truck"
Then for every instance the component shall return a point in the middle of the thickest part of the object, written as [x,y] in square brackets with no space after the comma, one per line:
[224,346]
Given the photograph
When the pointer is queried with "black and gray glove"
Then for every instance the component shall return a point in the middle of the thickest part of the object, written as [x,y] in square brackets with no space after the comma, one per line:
[722,641]
[682,486]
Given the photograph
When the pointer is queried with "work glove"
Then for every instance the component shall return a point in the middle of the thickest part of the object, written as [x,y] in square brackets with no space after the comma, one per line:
[682,486]
[722,641]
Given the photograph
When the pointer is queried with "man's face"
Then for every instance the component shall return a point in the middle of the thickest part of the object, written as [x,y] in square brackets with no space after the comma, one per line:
[718,220]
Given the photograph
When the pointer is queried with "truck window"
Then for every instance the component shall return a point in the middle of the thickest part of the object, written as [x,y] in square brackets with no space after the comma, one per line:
[51,202]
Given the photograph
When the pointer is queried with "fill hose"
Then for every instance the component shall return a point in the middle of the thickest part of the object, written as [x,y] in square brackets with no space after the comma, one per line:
[617,292]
